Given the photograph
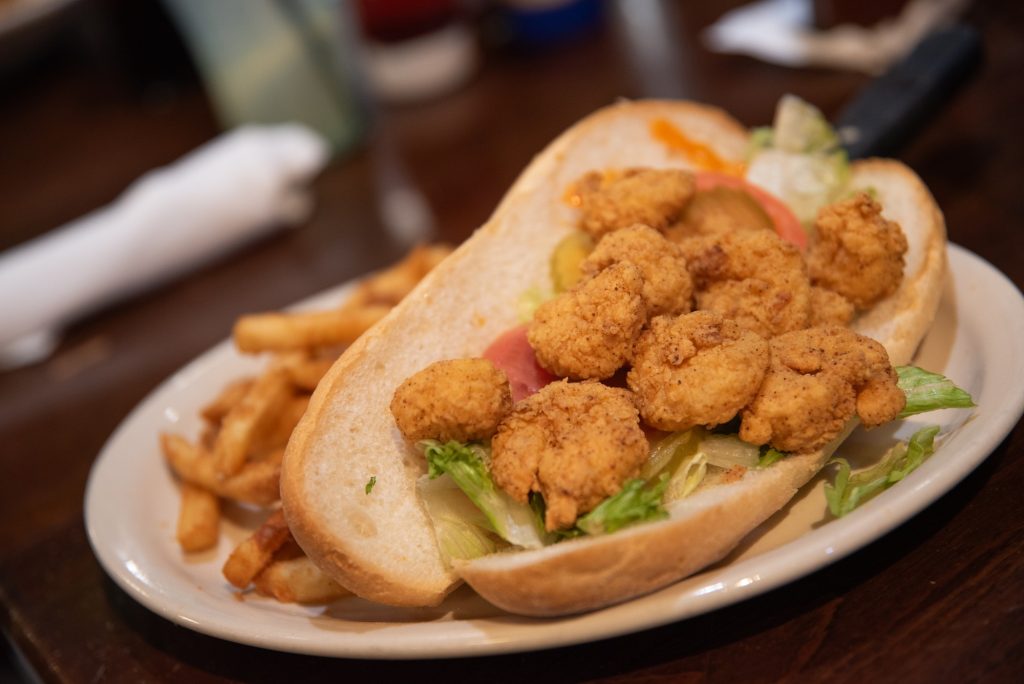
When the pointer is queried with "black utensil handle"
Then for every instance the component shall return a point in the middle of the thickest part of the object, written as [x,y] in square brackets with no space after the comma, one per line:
[890,110]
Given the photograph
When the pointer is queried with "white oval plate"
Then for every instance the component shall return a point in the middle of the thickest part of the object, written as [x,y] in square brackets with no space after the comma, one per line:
[132,501]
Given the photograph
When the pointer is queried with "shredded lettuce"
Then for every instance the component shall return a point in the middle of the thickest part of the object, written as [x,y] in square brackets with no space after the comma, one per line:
[928,391]
[529,301]
[677,457]
[851,490]
[635,503]
[466,464]
[686,478]
[669,452]
[799,159]
[769,455]
[761,139]
[461,529]
[726,451]
[800,127]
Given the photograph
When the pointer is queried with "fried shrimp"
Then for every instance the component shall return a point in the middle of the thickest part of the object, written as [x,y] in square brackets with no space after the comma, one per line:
[818,379]
[717,211]
[754,278]
[613,200]
[667,287]
[461,399]
[575,443]
[829,308]
[588,332]
[858,254]
[696,369]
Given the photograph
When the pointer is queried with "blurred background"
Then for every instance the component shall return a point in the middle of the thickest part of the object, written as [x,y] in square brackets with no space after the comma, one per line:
[137,83]
[429,109]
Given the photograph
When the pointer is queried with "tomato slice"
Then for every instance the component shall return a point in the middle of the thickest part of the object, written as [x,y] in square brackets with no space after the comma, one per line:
[512,353]
[786,223]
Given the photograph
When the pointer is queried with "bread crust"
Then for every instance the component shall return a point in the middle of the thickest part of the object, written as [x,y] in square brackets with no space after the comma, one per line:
[381,545]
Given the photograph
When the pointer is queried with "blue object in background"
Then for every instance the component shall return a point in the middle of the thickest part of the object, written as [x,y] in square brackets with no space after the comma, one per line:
[540,24]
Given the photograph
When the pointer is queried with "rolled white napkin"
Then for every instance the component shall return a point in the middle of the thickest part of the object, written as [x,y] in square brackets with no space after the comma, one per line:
[780,31]
[231,190]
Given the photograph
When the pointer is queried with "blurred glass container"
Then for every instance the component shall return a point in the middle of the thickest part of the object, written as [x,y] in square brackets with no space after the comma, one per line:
[272,61]
[415,50]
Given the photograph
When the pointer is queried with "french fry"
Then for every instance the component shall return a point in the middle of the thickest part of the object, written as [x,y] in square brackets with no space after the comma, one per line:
[256,552]
[274,432]
[257,483]
[238,428]
[290,331]
[305,370]
[228,398]
[208,436]
[295,579]
[247,426]
[198,518]
[392,284]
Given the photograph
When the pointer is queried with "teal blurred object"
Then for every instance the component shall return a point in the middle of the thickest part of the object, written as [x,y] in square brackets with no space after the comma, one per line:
[273,61]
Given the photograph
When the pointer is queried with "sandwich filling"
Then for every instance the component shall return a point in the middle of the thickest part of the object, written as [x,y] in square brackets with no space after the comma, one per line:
[698,329]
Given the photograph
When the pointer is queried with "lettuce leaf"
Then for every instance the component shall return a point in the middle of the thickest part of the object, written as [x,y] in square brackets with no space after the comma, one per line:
[669,452]
[850,490]
[635,503]
[677,457]
[770,455]
[799,159]
[466,464]
[529,301]
[460,527]
[800,127]
[928,391]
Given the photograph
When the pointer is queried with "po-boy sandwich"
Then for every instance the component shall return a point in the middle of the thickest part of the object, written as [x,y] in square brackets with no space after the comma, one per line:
[662,333]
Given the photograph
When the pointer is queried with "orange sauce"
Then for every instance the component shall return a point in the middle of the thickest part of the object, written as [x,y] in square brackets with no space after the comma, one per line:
[701,155]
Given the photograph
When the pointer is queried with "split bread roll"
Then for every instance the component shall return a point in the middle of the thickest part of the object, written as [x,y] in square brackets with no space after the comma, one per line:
[381,545]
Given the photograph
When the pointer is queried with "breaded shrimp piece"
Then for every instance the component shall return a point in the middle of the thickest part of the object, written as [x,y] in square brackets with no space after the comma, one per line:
[575,443]
[667,287]
[695,369]
[617,199]
[717,211]
[754,278]
[829,308]
[858,253]
[818,379]
[588,332]
[461,399]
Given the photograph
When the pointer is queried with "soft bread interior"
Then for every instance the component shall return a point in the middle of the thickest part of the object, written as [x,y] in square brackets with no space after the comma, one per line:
[381,545]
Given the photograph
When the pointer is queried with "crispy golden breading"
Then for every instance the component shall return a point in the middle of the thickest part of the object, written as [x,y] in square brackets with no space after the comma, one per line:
[818,379]
[858,253]
[717,211]
[829,308]
[575,443]
[667,287]
[612,200]
[588,332]
[696,369]
[462,399]
[754,278]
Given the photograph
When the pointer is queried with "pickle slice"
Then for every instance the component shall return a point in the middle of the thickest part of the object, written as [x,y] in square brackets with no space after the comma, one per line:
[567,259]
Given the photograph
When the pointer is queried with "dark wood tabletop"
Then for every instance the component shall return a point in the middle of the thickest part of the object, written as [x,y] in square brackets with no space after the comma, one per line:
[941,598]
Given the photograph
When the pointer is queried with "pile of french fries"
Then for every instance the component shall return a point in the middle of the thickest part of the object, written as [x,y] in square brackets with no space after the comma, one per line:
[238,455]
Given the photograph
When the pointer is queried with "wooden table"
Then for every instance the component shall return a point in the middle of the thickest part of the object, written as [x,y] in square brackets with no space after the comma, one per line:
[941,598]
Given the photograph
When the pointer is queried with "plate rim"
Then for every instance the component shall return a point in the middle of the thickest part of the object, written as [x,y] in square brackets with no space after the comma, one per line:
[693,596]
